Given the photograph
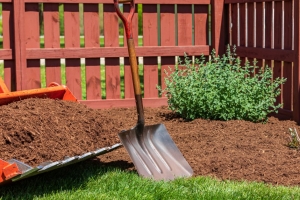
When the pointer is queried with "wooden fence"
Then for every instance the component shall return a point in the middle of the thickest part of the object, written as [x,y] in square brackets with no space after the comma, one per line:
[265,30]
[167,33]
[269,32]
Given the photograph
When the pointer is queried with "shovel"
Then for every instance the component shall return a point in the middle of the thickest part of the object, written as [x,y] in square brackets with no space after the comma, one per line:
[151,148]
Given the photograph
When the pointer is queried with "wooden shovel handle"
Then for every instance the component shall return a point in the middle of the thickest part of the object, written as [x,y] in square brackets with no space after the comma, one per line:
[132,57]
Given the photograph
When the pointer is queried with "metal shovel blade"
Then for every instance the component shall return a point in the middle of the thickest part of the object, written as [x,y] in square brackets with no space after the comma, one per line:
[154,153]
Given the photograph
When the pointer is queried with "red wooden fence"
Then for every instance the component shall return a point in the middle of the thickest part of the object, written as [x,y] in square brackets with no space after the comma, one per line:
[22,52]
[265,30]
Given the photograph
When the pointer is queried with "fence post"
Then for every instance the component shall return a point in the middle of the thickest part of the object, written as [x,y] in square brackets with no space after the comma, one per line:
[219,22]
[19,51]
[296,72]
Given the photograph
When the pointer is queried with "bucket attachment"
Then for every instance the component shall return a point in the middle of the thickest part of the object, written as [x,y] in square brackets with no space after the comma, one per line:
[14,170]
[53,91]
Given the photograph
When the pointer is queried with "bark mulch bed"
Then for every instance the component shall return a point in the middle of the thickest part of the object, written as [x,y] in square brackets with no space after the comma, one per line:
[38,130]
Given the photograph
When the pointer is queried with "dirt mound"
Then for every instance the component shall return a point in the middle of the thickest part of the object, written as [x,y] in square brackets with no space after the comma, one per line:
[36,130]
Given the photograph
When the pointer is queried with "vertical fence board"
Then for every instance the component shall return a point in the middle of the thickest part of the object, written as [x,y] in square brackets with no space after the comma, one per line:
[287,68]
[250,28]
[268,29]
[150,38]
[185,26]
[201,24]
[167,23]
[72,39]
[128,84]
[259,32]
[8,43]
[277,71]
[52,40]
[234,28]
[32,78]
[217,23]
[91,39]
[243,26]
[296,71]
[111,39]
[19,51]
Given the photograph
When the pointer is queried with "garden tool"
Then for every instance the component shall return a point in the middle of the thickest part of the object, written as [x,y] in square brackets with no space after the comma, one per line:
[151,148]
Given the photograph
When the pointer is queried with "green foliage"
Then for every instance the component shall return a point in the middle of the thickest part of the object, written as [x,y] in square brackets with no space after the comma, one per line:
[222,89]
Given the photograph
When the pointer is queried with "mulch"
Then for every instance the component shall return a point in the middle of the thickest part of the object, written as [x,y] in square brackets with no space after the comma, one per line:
[38,130]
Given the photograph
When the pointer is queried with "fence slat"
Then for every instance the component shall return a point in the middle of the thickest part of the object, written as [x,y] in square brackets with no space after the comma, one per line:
[277,69]
[287,92]
[91,39]
[201,24]
[259,32]
[52,40]
[234,21]
[72,39]
[32,75]
[296,69]
[111,39]
[218,26]
[185,27]
[150,38]
[243,27]
[250,28]
[268,29]
[128,84]
[8,43]
[167,23]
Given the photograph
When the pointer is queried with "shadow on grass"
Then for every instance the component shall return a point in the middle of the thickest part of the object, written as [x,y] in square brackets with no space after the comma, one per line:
[64,179]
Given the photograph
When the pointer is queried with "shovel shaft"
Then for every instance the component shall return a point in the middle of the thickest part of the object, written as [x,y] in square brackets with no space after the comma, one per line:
[132,57]
[136,81]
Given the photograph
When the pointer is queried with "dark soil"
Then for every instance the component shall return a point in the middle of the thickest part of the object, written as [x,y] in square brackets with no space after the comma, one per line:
[37,130]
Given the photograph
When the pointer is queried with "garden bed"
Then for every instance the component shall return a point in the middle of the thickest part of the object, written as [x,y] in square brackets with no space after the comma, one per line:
[36,130]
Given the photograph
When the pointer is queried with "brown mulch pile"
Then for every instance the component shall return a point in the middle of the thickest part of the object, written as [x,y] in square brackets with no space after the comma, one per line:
[36,130]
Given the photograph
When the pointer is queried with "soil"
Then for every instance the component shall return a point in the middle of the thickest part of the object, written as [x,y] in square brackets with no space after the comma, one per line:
[37,130]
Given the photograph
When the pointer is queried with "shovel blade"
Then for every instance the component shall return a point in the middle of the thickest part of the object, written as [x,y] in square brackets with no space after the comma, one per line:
[154,153]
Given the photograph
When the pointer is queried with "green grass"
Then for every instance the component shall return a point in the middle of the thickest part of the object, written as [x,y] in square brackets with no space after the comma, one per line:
[93,180]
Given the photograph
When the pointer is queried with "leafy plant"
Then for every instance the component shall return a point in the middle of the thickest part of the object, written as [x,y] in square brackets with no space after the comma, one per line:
[221,89]
[294,139]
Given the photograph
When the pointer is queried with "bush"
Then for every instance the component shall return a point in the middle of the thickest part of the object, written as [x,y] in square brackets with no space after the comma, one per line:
[222,89]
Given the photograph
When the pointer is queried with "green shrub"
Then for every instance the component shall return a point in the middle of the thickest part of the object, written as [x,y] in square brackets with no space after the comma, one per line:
[221,89]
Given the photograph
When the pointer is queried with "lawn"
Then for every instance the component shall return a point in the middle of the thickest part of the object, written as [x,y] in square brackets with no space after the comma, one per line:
[92,180]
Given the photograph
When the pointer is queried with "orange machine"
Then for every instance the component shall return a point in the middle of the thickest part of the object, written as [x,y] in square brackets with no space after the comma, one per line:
[54,91]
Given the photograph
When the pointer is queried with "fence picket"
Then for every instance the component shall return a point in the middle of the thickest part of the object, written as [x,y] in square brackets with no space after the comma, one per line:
[250,28]
[91,39]
[277,69]
[32,74]
[8,43]
[287,92]
[111,39]
[185,27]
[259,32]
[167,23]
[52,40]
[268,29]
[150,38]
